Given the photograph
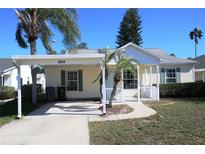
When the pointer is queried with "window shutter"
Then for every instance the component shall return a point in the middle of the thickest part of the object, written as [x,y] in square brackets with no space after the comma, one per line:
[62,77]
[80,80]
[178,75]
[162,75]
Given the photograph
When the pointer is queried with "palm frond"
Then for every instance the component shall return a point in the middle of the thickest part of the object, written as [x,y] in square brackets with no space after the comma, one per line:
[46,36]
[19,38]
[66,22]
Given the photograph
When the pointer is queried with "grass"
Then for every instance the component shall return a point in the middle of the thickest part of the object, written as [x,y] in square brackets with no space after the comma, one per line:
[8,111]
[6,119]
[182,122]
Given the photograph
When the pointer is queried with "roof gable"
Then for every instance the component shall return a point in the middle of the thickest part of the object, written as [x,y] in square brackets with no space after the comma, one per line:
[5,64]
[201,62]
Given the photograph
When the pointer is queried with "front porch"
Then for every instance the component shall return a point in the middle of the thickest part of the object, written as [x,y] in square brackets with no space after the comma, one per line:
[143,87]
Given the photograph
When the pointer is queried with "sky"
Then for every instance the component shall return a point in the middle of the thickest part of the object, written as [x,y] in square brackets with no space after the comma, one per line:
[167,29]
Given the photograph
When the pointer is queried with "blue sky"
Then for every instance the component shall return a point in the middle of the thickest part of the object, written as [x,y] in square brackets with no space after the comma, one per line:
[167,29]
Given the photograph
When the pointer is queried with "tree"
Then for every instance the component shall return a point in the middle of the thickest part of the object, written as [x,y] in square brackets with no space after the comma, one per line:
[108,58]
[82,45]
[195,35]
[172,54]
[62,52]
[33,24]
[123,63]
[130,29]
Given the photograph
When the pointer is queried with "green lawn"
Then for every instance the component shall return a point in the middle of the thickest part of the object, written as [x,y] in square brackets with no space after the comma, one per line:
[6,119]
[8,111]
[180,123]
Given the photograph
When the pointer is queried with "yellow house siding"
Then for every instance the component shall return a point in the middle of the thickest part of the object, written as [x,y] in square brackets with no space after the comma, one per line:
[90,73]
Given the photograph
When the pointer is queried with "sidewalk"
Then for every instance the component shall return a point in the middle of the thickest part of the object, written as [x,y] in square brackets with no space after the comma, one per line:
[140,111]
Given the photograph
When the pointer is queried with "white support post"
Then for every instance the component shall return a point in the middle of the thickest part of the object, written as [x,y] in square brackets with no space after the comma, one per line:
[145,71]
[122,87]
[138,82]
[151,89]
[150,75]
[19,92]
[193,74]
[103,89]
[158,81]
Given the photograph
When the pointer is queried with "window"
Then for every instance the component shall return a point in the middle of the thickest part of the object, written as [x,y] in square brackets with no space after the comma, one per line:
[130,81]
[72,80]
[171,75]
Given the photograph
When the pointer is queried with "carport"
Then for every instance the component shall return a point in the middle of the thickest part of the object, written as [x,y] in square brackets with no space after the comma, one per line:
[59,60]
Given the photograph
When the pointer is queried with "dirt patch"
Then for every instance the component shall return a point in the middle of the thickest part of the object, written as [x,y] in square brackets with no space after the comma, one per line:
[119,109]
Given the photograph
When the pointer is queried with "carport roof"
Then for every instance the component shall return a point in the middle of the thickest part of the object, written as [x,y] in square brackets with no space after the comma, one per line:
[65,56]
[58,59]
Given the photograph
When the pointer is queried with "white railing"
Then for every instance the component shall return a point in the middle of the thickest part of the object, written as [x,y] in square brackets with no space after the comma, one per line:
[151,92]
[117,96]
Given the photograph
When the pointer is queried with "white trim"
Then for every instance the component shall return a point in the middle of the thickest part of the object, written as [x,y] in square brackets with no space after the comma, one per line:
[66,77]
[19,93]
[199,70]
[193,74]
[9,69]
[150,73]
[145,71]
[139,48]
[122,86]
[66,56]
[138,83]
[103,89]
[158,81]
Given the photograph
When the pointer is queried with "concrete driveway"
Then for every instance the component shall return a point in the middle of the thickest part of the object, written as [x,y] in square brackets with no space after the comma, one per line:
[53,123]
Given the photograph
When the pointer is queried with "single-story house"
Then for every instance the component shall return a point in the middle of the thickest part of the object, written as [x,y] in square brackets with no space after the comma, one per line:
[199,68]
[77,70]
[8,73]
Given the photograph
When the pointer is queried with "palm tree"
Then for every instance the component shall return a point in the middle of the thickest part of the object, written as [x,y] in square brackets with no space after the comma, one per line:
[195,35]
[123,63]
[108,58]
[33,24]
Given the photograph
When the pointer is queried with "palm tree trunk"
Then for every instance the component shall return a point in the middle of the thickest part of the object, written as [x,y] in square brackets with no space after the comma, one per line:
[113,93]
[195,50]
[33,73]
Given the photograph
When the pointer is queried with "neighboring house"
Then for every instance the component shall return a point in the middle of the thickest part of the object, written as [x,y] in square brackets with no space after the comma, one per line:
[76,72]
[8,73]
[200,68]
[40,79]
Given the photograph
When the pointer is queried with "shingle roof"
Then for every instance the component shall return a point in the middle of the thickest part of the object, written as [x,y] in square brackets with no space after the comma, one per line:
[167,59]
[5,63]
[164,57]
[201,60]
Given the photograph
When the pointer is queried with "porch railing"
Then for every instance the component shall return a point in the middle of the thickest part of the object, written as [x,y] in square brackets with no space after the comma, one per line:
[117,97]
[149,92]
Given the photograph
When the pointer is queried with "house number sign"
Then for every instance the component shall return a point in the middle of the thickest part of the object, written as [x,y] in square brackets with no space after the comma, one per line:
[61,61]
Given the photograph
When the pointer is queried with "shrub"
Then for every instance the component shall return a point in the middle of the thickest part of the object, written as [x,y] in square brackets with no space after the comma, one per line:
[27,91]
[7,92]
[11,108]
[192,89]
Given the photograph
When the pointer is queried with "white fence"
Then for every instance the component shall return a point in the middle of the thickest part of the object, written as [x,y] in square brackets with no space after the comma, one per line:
[150,92]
